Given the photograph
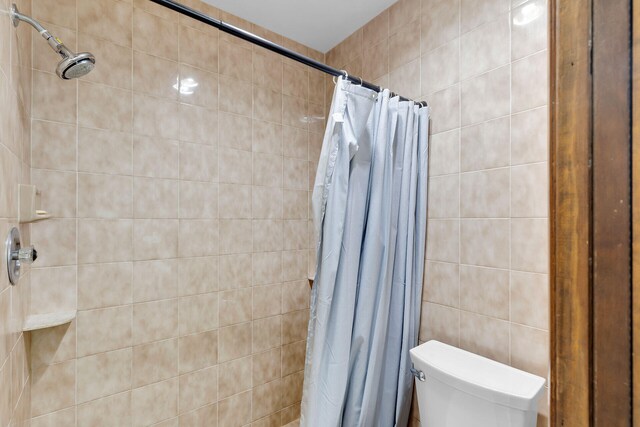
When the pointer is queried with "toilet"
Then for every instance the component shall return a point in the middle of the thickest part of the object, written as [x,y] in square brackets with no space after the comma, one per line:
[456,388]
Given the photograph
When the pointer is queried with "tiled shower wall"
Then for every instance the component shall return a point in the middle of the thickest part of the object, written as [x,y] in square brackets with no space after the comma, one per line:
[181,221]
[482,66]
[15,95]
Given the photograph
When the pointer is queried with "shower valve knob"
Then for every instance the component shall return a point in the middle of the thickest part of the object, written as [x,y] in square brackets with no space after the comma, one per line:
[16,255]
[28,255]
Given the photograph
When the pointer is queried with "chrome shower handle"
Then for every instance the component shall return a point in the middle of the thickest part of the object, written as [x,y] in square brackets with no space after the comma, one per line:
[16,255]
[28,254]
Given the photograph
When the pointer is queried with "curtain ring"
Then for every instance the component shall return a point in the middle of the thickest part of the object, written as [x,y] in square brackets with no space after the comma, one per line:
[361,81]
[346,76]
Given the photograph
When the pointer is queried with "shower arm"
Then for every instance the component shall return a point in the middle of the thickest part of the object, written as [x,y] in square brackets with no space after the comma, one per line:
[55,43]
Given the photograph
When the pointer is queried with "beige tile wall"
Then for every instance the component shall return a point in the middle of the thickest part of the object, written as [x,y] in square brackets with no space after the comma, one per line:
[482,66]
[15,106]
[181,221]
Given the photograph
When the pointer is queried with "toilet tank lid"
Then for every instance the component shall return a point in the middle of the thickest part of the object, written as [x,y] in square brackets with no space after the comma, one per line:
[477,375]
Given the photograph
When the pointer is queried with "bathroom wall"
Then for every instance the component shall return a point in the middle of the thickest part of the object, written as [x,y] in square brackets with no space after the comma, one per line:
[482,66]
[15,94]
[181,221]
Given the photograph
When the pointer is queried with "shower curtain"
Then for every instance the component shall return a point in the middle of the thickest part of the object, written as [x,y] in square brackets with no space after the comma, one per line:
[369,205]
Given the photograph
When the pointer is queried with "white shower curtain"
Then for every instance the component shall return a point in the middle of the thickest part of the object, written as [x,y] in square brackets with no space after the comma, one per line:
[369,205]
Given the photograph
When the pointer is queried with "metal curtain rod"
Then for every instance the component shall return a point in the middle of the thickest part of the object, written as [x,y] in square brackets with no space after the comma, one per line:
[257,40]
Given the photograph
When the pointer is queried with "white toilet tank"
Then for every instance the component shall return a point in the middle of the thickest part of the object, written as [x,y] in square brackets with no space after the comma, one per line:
[462,389]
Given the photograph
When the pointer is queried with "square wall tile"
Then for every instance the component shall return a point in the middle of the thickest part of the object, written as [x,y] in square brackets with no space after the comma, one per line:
[442,283]
[485,336]
[154,362]
[199,162]
[529,28]
[53,145]
[444,153]
[530,299]
[198,351]
[104,330]
[443,236]
[56,242]
[155,280]
[155,239]
[530,245]
[235,306]
[115,61]
[155,198]
[103,374]
[199,313]
[53,289]
[447,115]
[475,92]
[198,48]
[530,136]
[155,157]
[104,285]
[104,107]
[530,82]
[198,275]
[444,196]
[53,387]
[198,389]
[106,18]
[486,47]
[154,402]
[104,151]
[485,145]
[485,194]
[235,341]
[53,99]
[110,233]
[485,291]
[104,196]
[485,242]
[155,321]
[234,131]
[478,12]
[440,323]
[530,190]
[440,23]
[234,377]
[530,350]
[440,67]
[148,29]
[115,408]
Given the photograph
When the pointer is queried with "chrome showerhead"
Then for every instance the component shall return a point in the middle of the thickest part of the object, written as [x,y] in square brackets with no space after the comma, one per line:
[76,66]
[73,65]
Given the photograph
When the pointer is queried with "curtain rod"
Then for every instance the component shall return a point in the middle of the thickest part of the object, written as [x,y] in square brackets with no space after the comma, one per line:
[257,40]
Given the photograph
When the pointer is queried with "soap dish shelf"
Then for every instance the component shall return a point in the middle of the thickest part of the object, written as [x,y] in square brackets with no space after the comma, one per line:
[29,204]
[49,320]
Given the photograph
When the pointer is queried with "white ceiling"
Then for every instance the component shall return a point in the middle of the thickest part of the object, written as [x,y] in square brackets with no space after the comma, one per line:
[320,24]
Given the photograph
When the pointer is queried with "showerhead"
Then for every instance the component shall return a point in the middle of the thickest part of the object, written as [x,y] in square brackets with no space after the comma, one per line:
[73,65]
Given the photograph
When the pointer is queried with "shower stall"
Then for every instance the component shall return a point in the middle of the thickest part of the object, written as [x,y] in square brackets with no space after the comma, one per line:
[176,175]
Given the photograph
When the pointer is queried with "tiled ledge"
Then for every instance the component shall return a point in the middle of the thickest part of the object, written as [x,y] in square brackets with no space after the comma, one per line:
[49,320]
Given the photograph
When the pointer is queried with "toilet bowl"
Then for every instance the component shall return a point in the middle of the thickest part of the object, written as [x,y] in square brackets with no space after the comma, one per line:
[456,388]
